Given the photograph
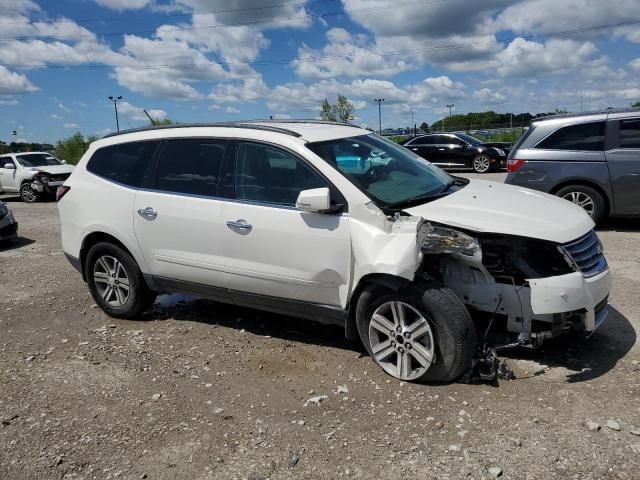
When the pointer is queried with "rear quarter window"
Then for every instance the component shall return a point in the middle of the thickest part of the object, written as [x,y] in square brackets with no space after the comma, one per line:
[582,137]
[125,163]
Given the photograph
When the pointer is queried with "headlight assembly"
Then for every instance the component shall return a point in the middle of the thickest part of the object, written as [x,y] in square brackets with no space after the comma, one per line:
[435,239]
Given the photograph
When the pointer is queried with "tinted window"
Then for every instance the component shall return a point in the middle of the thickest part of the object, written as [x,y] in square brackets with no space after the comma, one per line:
[125,163]
[425,140]
[630,133]
[268,174]
[191,166]
[38,160]
[585,136]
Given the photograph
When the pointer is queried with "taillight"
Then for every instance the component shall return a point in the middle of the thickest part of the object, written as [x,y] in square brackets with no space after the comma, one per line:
[513,164]
[61,192]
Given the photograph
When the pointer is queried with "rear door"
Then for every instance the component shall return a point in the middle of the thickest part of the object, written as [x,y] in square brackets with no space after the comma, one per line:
[425,146]
[272,248]
[623,160]
[178,217]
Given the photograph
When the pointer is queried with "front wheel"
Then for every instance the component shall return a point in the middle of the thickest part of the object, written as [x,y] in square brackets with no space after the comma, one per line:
[116,282]
[421,333]
[28,194]
[481,163]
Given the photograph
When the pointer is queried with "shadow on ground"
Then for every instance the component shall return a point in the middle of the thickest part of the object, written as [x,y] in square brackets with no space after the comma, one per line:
[620,225]
[585,359]
[15,244]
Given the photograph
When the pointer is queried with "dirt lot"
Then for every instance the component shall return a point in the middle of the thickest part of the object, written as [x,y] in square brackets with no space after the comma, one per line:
[197,389]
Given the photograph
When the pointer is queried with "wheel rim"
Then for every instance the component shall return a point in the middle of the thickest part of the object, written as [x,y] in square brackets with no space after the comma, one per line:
[28,194]
[582,200]
[111,280]
[481,163]
[401,340]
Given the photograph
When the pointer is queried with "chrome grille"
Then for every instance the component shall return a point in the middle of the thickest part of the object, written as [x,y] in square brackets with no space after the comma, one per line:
[585,254]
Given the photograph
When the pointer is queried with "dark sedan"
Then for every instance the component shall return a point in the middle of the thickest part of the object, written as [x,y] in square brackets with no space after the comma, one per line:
[459,151]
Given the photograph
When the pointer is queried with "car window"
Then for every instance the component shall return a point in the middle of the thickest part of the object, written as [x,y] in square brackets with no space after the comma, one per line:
[125,163]
[456,141]
[268,174]
[191,166]
[6,161]
[630,133]
[584,136]
[37,160]
[428,140]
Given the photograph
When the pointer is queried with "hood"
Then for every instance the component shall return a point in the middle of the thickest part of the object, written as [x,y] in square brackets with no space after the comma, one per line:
[492,207]
[53,169]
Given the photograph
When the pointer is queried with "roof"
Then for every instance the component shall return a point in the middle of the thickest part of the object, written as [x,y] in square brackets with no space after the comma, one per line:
[309,130]
[586,114]
[24,153]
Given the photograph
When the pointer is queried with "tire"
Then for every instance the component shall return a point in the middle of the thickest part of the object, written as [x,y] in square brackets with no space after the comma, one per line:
[481,163]
[586,197]
[28,194]
[103,261]
[451,335]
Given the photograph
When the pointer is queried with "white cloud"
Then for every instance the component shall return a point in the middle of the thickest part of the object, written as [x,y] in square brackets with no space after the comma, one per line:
[635,64]
[55,116]
[121,5]
[71,125]
[488,96]
[232,110]
[12,83]
[137,113]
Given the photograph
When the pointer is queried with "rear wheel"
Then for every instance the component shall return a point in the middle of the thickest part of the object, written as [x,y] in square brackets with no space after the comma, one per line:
[28,194]
[586,197]
[116,282]
[481,163]
[421,333]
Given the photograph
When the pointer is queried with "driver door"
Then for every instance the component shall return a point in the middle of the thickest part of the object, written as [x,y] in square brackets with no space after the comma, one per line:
[8,176]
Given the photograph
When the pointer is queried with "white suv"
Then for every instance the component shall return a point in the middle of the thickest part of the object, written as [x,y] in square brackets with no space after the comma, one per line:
[32,174]
[332,223]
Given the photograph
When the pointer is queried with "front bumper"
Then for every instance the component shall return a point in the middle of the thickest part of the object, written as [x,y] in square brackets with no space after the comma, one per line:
[573,294]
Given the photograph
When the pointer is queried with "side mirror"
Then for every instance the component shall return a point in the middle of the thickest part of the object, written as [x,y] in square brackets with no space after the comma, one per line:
[9,166]
[64,161]
[316,200]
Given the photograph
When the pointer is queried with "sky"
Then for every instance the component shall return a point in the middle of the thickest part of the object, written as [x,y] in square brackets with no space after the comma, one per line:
[218,60]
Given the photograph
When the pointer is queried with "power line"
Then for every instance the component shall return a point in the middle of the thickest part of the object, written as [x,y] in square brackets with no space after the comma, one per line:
[333,57]
[223,25]
[175,15]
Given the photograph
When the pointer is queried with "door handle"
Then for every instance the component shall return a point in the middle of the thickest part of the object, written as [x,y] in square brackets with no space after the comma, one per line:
[239,225]
[148,213]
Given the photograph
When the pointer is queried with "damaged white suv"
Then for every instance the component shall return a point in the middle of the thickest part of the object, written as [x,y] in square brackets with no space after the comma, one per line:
[335,224]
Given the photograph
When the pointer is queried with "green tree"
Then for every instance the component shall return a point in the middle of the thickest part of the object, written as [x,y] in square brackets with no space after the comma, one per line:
[636,105]
[341,111]
[326,111]
[424,126]
[72,148]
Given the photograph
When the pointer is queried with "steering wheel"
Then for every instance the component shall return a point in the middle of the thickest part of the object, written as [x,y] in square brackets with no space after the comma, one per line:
[376,173]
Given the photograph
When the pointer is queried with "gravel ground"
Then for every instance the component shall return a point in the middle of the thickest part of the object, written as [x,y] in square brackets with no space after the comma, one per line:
[196,389]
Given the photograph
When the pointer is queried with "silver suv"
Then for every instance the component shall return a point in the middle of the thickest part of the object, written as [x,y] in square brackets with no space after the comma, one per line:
[591,159]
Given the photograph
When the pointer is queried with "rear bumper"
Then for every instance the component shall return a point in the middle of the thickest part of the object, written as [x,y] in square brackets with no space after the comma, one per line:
[8,227]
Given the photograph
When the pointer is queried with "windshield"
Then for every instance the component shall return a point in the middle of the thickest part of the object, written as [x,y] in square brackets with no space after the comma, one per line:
[386,172]
[469,139]
[37,160]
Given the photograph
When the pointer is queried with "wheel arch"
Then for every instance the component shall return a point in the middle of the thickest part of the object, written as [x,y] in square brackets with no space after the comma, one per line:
[96,237]
[390,282]
[586,183]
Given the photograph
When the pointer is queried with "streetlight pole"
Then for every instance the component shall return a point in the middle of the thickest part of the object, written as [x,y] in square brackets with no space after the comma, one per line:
[379,101]
[115,107]
[449,107]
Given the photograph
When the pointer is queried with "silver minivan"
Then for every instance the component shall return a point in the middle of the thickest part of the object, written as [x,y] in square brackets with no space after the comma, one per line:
[591,159]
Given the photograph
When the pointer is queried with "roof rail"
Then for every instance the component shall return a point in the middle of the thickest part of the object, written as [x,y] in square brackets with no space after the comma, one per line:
[586,114]
[302,120]
[251,124]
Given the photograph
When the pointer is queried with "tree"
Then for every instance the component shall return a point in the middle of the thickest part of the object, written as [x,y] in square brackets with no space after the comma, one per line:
[424,126]
[341,111]
[165,121]
[72,148]
[636,105]
[326,112]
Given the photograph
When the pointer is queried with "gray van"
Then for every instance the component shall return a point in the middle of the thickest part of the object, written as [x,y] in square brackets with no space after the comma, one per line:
[591,159]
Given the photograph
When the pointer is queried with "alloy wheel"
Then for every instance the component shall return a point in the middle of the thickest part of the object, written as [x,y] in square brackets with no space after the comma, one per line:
[481,163]
[582,200]
[111,280]
[401,340]
[28,194]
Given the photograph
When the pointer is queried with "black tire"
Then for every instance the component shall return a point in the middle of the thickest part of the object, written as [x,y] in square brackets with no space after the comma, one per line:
[475,163]
[140,297]
[453,330]
[571,192]
[28,194]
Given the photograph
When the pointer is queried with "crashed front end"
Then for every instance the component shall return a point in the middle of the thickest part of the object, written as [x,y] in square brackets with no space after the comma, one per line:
[47,183]
[528,290]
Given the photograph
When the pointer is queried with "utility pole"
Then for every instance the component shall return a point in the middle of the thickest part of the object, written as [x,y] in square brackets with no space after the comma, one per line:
[449,107]
[580,103]
[379,102]
[115,101]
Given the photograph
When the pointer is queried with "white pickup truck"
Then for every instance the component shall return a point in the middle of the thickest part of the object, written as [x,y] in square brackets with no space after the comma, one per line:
[33,175]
